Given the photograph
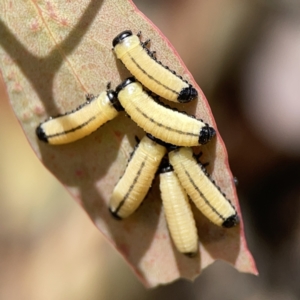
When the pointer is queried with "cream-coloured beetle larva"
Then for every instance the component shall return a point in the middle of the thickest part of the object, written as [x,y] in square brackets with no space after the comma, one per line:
[171,126]
[133,186]
[142,64]
[179,216]
[202,190]
[80,122]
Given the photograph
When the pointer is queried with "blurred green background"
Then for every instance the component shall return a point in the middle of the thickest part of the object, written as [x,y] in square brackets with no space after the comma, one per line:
[245,55]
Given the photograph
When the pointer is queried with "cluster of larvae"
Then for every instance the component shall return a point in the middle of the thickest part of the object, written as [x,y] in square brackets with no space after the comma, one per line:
[166,147]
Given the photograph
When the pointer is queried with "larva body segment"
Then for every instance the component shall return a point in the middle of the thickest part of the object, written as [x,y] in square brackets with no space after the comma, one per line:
[133,186]
[151,73]
[168,125]
[178,213]
[81,122]
[202,190]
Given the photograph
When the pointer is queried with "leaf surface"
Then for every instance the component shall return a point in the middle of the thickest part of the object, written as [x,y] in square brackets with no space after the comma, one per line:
[52,54]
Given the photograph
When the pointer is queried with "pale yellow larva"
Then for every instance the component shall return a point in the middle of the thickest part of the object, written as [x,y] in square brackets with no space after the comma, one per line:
[178,212]
[201,188]
[151,73]
[164,123]
[133,186]
[81,122]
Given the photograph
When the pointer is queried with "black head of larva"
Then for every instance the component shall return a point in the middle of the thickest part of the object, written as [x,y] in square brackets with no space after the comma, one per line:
[165,166]
[187,94]
[41,134]
[231,221]
[122,85]
[172,147]
[121,36]
[115,215]
[112,96]
[206,134]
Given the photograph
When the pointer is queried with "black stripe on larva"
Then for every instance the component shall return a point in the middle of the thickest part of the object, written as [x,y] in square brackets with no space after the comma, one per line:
[112,96]
[130,157]
[231,221]
[137,139]
[187,94]
[156,99]
[162,125]
[206,134]
[131,154]
[131,187]
[202,166]
[73,129]
[202,195]
[89,97]
[126,82]
[41,134]
[151,77]
[121,36]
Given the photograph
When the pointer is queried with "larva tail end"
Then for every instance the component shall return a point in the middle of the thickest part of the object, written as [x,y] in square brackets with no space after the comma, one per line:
[187,94]
[115,215]
[121,36]
[41,134]
[190,254]
[231,221]
[126,82]
[206,134]
[112,96]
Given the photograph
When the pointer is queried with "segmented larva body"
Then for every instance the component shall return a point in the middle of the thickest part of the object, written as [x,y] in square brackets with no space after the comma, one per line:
[80,122]
[202,190]
[150,72]
[133,186]
[178,213]
[162,122]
